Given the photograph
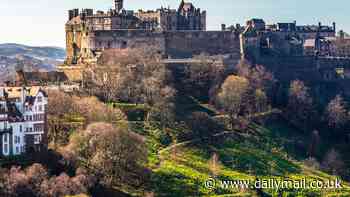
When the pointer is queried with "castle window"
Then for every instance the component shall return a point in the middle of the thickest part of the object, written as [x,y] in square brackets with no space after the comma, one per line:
[124,44]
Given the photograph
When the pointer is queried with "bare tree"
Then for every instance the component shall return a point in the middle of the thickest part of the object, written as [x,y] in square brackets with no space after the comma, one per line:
[258,76]
[114,155]
[63,107]
[204,77]
[35,182]
[333,163]
[232,96]
[36,175]
[214,164]
[60,106]
[315,142]
[336,113]
[94,110]
[202,126]
[300,104]
[126,75]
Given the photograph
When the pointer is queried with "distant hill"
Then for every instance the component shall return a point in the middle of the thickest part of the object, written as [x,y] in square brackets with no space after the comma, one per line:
[12,50]
[15,56]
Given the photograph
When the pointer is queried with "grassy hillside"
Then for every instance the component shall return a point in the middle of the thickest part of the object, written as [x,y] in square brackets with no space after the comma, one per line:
[184,169]
[265,152]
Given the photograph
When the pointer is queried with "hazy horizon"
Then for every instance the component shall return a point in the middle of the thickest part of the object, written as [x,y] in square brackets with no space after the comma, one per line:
[41,22]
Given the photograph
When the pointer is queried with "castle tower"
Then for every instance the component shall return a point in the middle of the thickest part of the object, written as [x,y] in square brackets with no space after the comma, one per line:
[118,5]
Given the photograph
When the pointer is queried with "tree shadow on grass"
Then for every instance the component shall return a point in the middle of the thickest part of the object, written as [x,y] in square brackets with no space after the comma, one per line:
[257,162]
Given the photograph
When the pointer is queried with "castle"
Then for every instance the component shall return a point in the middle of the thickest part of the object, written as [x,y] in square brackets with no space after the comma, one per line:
[174,32]
[22,120]
[286,39]
[181,33]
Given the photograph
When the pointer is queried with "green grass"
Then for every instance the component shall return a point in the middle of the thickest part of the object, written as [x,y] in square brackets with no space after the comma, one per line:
[183,171]
[185,105]
[260,152]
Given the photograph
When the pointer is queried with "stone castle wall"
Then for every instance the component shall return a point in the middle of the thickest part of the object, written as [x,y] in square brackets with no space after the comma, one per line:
[307,68]
[73,41]
[291,68]
[189,43]
[125,39]
[174,44]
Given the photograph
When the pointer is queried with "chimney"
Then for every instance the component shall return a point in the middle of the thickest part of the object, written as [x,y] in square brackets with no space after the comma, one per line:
[238,26]
[118,5]
[334,27]
[76,12]
[341,35]
[88,12]
[223,27]
[23,94]
[70,14]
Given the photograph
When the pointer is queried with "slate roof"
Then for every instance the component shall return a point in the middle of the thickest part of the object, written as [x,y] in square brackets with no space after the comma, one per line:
[15,92]
[32,78]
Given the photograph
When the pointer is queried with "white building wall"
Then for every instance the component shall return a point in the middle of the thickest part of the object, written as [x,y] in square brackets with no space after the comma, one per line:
[38,110]
[34,114]
[5,139]
[18,138]
[6,144]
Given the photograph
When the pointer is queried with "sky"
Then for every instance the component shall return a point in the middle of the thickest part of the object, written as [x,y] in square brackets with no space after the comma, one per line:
[41,22]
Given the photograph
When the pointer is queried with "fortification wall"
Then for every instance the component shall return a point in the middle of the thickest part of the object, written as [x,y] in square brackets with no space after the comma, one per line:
[291,68]
[175,44]
[126,39]
[308,68]
[188,43]
[73,41]
[326,63]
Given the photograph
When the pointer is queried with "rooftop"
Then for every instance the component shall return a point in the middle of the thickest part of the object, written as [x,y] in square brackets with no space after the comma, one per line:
[16,92]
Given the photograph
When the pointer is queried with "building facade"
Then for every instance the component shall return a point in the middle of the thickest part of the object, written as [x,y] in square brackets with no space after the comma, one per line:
[88,33]
[286,39]
[22,120]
